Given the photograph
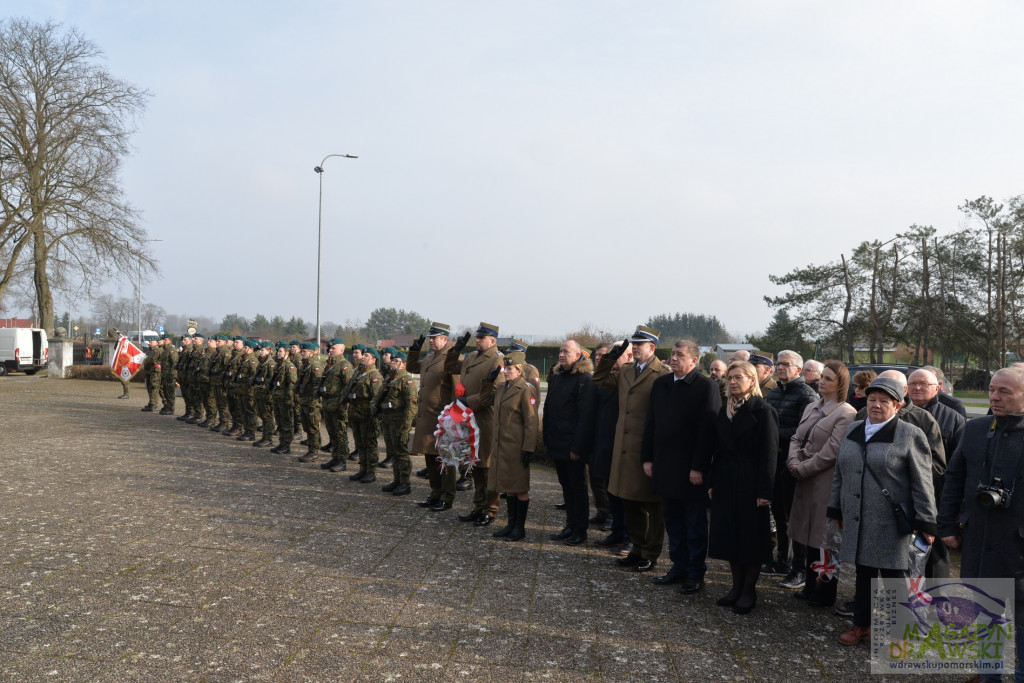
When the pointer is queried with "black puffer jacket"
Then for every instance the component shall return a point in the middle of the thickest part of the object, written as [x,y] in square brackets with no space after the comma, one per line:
[598,430]
[789,400]
[565,406]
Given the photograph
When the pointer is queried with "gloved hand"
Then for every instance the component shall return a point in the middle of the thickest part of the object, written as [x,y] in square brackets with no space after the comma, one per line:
[460,390]
[525,456]
[373,409]
[418,344]
[461,344]
[615,352]
[493,374]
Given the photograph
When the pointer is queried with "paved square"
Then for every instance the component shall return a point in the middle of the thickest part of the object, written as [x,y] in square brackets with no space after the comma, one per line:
[134,547]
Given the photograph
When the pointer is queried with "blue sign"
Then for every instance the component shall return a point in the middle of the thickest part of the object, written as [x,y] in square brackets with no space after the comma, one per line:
[160,329]
[97,331]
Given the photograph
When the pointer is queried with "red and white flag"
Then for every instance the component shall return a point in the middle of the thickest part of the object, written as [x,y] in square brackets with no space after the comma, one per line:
[127,359]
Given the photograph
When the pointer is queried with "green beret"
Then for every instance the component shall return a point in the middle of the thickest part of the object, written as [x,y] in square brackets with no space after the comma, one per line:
[294,342]
[309,346]
[266,344]
[372,352]
[252,343]
[359,347]
[283,345]
[198,335]
[399,355]
[336,340]
[167,336]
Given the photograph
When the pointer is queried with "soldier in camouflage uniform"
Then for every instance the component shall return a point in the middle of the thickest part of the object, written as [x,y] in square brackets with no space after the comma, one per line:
[184,381]
[362,399]
[199,390]
[218,370]
[243,390]
[154,385]
[333,386]
[261,383]
[230,379]
[170,376]
[206,391]
[296,356]
[397,410]
[308,394]
[282,392]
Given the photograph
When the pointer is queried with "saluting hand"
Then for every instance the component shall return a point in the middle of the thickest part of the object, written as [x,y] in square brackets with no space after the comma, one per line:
[461,344]
[418,344]
[616,351]
[493,374]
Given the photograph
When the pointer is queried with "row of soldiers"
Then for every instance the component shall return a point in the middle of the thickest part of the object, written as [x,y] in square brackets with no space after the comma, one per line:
[238,386]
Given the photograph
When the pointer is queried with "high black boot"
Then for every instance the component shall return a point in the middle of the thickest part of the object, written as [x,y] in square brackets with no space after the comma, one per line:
[513,506]
[519,533]
[730,598]
[748,596]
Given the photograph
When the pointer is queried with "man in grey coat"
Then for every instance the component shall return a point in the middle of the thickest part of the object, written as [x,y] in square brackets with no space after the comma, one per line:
[991,454]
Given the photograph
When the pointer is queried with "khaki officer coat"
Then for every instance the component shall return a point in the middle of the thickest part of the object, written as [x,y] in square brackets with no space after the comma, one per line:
[435,394]
[516,428]
[627,475]
[472,372]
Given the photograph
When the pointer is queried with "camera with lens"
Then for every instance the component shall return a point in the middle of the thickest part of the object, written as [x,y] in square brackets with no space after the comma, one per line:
[994,495]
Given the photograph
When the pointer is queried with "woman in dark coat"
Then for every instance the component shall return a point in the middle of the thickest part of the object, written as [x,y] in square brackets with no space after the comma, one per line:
[742,477]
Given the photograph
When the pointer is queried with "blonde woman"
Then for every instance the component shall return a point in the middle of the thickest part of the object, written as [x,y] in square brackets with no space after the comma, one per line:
[740,487]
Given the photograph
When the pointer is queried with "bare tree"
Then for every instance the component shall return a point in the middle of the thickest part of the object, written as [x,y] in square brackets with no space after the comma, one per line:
[65,124]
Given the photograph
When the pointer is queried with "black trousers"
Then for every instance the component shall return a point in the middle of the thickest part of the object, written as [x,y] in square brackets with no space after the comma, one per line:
[572,475]
[789,552]
[862,594]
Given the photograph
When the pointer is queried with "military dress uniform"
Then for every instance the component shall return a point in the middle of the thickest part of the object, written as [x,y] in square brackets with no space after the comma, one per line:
[283,393]
[361,397]
[397,410]
[436,392]
[472,371]
[307,392]
[336,378]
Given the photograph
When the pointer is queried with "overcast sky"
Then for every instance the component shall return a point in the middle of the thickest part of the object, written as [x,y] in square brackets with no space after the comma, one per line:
[541,165]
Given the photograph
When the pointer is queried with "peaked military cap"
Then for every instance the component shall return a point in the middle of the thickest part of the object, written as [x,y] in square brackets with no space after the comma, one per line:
[645,334]
[487,330]
[439,330]
[757,359]
[517,345]
[515,358]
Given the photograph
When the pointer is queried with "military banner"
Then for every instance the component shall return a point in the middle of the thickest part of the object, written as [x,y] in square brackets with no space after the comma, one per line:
[127,359]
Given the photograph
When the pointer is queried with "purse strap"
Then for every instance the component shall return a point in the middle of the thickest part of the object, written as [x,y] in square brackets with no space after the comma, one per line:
[807,436]
[885,491]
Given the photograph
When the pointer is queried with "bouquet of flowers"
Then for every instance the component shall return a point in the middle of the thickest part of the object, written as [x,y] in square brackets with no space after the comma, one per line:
[458,437]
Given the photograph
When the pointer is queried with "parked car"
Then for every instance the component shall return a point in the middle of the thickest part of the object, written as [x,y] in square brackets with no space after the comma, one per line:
[23,349]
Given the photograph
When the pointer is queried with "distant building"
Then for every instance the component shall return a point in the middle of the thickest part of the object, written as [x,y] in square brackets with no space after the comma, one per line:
[17,322]
[724,351]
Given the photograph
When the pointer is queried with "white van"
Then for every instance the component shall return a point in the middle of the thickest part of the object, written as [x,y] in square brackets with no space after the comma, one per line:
[23,349]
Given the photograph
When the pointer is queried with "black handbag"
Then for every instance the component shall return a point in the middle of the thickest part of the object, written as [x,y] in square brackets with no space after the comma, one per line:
[904,523]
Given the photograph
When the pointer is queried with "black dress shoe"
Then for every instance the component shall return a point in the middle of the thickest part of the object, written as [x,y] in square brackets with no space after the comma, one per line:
[483,520]
[402,490]
[441,506]
[565,533]
[692,586]
[610,540]
[629,561]
[471,516]
[429,502]
[575,539]
[667,579]
[388,488]
[645,565]
[464,484]
[422,474]
[559,506]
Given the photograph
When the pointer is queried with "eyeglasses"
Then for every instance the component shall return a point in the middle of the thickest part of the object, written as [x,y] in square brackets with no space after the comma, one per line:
[783,364]
[922,385]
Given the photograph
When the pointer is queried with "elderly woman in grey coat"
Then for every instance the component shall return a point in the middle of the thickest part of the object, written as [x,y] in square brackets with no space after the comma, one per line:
[812,460]
[897,454]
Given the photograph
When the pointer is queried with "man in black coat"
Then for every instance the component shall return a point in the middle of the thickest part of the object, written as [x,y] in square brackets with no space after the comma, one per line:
[568,396]
[991,452]
[790,397]
[678,438]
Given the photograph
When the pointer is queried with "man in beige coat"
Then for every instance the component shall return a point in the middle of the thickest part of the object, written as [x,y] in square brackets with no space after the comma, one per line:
[435,393]
[628,480]
[472,371]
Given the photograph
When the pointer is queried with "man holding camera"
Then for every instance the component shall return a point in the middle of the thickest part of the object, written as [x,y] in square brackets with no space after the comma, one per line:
[980,506]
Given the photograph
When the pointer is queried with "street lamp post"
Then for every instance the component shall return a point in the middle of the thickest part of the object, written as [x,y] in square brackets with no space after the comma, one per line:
[319,234]
[139,290]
